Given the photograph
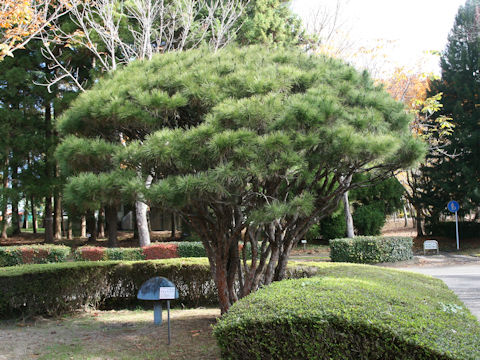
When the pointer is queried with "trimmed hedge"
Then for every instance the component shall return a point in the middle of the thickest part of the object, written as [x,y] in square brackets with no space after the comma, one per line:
[168,250]
[371,249]
[350,312]
[33,254]
[53,289]
[466,229]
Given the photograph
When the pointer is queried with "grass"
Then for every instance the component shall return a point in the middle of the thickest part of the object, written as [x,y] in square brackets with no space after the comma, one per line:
[30,230]
[112,335]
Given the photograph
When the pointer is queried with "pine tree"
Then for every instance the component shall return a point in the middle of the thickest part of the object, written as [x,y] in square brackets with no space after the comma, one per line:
[259,144]
[454,172]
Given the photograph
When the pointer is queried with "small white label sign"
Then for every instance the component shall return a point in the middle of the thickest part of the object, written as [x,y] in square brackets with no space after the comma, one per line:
[167,293]
[430,245]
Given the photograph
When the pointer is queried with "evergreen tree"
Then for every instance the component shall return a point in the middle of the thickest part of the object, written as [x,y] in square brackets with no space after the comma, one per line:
[269,22]
[454,172]
[263,141]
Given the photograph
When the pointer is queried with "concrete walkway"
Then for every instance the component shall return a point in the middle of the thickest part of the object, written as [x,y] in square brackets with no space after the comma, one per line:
[461,273]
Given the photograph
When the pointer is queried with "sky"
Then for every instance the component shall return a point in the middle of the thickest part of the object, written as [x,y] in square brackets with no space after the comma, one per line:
[413,26]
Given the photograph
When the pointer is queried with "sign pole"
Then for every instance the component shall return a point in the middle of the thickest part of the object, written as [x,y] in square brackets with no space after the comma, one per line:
[456,229]
[168,307]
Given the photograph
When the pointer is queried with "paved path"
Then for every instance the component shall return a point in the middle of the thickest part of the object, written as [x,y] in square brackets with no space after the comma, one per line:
[462,278]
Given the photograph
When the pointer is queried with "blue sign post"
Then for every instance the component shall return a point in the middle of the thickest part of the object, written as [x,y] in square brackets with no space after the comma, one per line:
[453,207]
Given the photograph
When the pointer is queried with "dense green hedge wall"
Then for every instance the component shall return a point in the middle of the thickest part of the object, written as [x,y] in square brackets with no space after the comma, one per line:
[447,229]
[371,249]
[53,289]
[350,312]
[32,254]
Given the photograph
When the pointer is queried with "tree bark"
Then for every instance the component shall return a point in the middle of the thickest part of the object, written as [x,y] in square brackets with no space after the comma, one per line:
[419,222]
[91,226]
[69,228]
[348,216]
[101,223]
[83,227]
[57,221]
[16,227]
[173,226]
[48,220]
[405,216]
[142,223]
[111,218]
[34,215]
[141,210]
[5,203]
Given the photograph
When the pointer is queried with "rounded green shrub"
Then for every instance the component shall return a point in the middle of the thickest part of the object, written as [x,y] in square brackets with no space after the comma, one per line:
[350,312]
[369,219]
[333,227]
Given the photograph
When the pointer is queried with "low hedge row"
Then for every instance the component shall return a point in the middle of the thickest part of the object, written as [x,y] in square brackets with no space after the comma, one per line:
[53,289]
[371,249]
[350,312]
[33,254]
[152,252]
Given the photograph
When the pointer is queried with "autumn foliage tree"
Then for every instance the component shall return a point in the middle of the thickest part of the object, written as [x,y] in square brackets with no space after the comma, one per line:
[21,20]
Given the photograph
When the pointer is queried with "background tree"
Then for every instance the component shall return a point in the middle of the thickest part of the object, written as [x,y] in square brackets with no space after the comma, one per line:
[267,143]
[21,20]
[111,33]
[455,172]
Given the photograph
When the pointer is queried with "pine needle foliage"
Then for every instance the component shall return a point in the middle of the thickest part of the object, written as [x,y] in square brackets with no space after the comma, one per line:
[253,145]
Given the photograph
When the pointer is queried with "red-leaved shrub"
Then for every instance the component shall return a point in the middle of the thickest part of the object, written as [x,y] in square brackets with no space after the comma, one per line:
[92,253]
[28,254]
[160,251]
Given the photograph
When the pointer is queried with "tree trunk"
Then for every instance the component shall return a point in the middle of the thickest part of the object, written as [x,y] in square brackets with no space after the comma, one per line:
[419,222]
[101,223]
[111,218]
[34,216]
[405,216]
[48,220]
[5,201]
[25,215]
[16,227]
[142,220]
[69,228]
[91,226]
[83,227]
[348,216]
[57,221]
[142,223]
[173,226]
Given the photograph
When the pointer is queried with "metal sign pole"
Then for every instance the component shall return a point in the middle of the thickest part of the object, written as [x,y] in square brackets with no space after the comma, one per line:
[456,229]
[168,310]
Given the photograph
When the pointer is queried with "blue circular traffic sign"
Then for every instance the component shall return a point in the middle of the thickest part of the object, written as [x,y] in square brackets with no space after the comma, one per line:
[453,206]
